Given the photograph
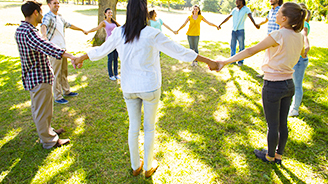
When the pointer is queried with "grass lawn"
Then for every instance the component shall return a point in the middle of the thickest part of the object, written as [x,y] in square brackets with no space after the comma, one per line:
[208,125]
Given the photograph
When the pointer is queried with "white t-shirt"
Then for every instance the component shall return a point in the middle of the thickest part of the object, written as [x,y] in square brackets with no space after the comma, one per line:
[140,62]
[58,37]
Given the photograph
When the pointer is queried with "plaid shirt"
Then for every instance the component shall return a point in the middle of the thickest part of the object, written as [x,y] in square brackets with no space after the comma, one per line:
[33,51]
[49,20]
[272,25]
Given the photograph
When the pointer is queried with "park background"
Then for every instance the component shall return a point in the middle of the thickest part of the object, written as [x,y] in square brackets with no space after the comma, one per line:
[208,123]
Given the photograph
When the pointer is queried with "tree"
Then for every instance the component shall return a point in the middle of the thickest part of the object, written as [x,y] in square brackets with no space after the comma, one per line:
[100,36]
[210,5]
[168,2]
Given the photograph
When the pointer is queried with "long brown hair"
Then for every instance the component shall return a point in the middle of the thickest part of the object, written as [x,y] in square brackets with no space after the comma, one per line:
[112,20]
[199,13]
[295,14]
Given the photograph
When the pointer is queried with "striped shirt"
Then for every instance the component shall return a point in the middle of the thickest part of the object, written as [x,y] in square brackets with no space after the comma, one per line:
[33,51]
[272,25]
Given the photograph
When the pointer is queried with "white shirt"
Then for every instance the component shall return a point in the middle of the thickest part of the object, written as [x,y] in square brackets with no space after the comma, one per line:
[140,63]
[58,37]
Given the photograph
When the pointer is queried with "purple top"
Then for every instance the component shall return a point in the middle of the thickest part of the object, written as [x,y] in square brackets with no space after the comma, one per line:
[109,28]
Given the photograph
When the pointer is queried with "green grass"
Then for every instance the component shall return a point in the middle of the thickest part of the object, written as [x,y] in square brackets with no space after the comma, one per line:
[208,125]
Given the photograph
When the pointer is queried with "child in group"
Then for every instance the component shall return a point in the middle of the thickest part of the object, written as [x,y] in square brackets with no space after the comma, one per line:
[283,48]
[109,24]
[194,29]
[300,67]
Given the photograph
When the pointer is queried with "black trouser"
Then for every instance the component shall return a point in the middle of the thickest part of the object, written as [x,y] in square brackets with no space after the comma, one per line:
[276,99]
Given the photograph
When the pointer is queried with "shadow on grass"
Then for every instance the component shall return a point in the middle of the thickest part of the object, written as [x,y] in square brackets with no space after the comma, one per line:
[222,109]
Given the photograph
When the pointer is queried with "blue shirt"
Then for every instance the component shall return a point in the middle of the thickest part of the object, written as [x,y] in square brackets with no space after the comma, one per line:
[239,17]
[272,25]
[156,24]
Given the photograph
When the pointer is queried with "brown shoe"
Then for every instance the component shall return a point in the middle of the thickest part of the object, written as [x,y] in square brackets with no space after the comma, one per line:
[137,172]
[61,142]
[59,131]
[152,170]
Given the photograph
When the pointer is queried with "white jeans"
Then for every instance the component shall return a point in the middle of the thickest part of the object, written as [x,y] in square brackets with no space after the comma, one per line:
[134,102]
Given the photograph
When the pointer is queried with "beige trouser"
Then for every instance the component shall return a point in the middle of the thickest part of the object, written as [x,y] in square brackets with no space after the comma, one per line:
[60,71]
[41,105]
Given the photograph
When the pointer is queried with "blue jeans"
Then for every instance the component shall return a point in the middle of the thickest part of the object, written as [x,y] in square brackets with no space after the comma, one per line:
[193,42]
[240,36]
[298,80]
[276,98]
[134,102]
[112,56]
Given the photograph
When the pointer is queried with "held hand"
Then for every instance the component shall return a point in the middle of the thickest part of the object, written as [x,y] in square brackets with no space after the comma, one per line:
[73,61]
[220,65]
[219,27]
[175,32]
[257,26]
[85,32]
[305,52]
[78,62]
[213,65]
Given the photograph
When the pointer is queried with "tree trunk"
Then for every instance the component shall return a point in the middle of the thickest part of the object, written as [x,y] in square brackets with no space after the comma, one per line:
[100,36]
[168,5]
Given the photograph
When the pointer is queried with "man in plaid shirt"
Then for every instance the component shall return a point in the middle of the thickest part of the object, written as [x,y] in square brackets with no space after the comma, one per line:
[271,18]
[37,74]
[53,29]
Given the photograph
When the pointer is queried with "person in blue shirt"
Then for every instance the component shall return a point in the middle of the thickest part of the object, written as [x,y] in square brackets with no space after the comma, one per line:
[157,23]
[239,14]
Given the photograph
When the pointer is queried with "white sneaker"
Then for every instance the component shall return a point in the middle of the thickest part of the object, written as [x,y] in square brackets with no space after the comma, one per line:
[112,78]
[293,112]
[117,77]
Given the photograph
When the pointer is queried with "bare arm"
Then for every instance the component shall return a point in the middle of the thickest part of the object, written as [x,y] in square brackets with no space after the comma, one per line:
[168,27]
[264,21]
[211,63]
[225,20]
[209,23]
[251,17]
[73,58]
[306,42]
[78,29]
[183,25]
[264,44]
[102,24]
[44,32]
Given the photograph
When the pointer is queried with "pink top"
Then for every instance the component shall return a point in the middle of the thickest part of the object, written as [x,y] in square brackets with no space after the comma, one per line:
[279,61]
[109,28]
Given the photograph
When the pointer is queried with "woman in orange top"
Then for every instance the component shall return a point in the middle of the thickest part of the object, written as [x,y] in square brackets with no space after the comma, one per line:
[194,29]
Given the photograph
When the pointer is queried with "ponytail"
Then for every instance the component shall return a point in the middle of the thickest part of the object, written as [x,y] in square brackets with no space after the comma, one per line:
[295,15]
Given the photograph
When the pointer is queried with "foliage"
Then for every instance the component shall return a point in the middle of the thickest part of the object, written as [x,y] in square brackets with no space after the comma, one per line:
[210,5]
[226,6]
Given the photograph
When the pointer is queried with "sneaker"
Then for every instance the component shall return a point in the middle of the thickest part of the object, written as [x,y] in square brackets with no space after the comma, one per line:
[260,76]
[117,77]
[240,64]
[192,64]
[72,94]
[261,155]
[61,101]
[293,112]
[112,78]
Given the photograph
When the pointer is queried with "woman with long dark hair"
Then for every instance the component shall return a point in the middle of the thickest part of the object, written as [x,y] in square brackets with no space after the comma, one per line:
[138,46]
[109,24]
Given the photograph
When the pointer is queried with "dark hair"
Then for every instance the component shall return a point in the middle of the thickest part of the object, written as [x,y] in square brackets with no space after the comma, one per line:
[244,2]
[280,2]
[151,13]
[308,15]
[199,13]
[295,14]
[136,19]
[49,1]
[29,7]
[112,20]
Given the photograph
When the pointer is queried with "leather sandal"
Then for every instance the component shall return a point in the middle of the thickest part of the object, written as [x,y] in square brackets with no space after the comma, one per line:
[61,142]
[59,131]
[152,170]
[137,172]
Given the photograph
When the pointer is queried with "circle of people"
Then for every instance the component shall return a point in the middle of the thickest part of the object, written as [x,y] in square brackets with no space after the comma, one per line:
[139,43]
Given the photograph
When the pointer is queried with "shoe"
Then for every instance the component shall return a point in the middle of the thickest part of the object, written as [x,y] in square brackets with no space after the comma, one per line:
[112,78]
[59,131]
[260,76]
[293,112]
[61,142]
[261,155]
[71,94]
[277,161]
[192,64]
[137,172]
[240,64]
[61,101]
[117,77]
[152,170]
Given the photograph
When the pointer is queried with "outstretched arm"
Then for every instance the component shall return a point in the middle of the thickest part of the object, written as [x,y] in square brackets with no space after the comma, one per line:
[264,44]
[251,17]
[44,31]
[183,25]
[225,20]
[209,23]
[263,22]
[102,24]
[78,29]
[168,27]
